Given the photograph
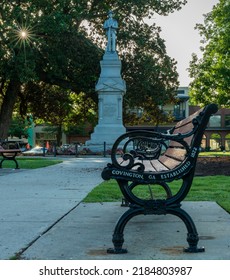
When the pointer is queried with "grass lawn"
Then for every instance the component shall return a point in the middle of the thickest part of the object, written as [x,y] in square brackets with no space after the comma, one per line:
[214,154]
[208,188]
[30,163]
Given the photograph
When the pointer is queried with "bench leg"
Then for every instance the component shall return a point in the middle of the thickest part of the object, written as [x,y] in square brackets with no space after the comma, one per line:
[152,207]
[192,235]
[17,167]
[118,235]
[13,159]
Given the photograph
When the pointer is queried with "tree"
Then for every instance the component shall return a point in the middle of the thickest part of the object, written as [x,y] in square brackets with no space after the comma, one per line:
[42,41]
[211,73]
[58,108]
[18,127]
[59,42]
[50,104]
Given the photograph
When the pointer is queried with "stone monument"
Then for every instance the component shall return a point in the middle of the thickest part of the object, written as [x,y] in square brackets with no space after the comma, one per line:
[110,88]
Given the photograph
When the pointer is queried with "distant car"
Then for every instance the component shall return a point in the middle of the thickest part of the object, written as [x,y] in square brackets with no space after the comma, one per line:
[67,149]
[37,151]
[65,146]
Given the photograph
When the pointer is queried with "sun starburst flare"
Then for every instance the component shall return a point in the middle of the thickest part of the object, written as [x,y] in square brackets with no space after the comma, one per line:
[23,35]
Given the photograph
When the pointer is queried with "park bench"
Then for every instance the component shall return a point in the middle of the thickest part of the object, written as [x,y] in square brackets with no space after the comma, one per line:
[9,151]
[152,160]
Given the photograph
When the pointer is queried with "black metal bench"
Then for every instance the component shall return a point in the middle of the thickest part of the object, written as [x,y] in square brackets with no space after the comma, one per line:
[156,159]
[9,152]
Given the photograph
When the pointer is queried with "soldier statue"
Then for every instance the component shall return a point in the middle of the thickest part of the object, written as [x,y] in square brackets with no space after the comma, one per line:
[111,27]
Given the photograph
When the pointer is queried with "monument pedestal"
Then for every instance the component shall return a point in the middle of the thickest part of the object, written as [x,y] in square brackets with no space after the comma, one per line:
[110,88]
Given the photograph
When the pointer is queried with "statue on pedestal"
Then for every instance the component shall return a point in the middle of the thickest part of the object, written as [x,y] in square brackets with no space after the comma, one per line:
[111,27]
[110,88]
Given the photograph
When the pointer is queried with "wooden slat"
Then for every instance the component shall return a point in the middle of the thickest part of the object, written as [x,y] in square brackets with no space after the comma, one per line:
[176,153]
[2,151]
[169,162]
[189,119]
[9,152]
[157,165]
[148,166]
[188,140]
[175,144]
[184,129]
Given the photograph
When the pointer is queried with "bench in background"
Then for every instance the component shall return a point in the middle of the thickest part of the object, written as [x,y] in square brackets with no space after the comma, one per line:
[9,151]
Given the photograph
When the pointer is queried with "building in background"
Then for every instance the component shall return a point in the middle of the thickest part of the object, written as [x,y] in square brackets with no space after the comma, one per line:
[180,110]
[217,133]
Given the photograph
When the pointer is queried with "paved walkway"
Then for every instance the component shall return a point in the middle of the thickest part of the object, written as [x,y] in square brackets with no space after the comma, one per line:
[32,201]
[42,217]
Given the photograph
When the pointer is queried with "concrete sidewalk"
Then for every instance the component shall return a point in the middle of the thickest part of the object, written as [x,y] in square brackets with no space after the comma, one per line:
[31,201]
[86,233]
[42,217]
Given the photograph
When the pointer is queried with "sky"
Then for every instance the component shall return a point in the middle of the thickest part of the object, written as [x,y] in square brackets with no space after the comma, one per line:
[181,39]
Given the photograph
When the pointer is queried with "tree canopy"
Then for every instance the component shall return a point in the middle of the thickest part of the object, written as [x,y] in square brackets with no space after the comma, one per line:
[60,42]
[211,73]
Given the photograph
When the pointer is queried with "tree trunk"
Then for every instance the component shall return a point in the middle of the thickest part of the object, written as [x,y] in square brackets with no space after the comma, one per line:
[59,135]
[7,107]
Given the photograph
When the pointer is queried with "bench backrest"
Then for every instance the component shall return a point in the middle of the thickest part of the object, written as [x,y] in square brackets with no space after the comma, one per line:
[190,131]
[9,145]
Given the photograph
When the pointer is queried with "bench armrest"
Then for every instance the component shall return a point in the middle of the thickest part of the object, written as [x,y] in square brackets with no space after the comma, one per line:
[142,145]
